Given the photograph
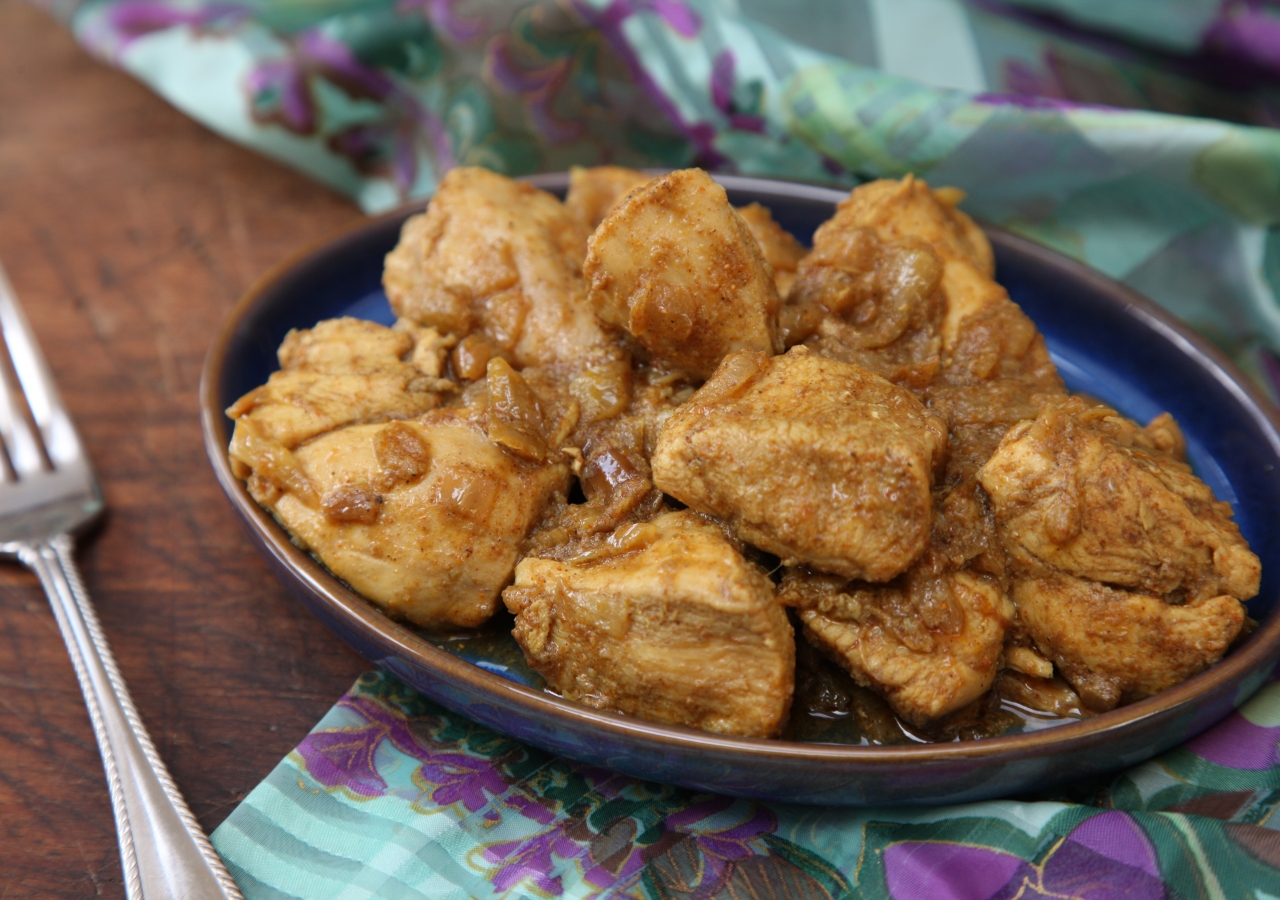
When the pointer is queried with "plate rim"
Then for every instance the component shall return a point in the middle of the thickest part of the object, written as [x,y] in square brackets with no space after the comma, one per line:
[380,629]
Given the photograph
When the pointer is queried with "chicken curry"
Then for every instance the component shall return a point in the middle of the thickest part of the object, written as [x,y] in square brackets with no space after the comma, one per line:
[684,451]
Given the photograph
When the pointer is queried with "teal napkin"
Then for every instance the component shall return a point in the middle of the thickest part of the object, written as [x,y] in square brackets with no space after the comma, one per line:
[378,97]
[393,797]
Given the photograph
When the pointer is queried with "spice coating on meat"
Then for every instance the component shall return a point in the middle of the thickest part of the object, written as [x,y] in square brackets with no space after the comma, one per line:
[595,191]
[1128,573]
[1117,646]
[665,621]
[929,644]
[677,269]
[431,532]
[499,257]
[818,461]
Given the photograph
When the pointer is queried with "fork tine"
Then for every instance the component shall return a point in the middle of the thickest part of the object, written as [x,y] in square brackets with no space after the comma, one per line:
[18,438]
[59,435]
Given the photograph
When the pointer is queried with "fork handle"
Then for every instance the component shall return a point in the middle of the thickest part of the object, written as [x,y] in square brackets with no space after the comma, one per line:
[163,851]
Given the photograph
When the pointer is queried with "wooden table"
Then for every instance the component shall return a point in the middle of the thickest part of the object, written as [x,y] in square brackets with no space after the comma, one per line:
[129,231]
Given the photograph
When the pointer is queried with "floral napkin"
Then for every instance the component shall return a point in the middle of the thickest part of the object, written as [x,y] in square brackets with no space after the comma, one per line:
[1133,136]
[393,797]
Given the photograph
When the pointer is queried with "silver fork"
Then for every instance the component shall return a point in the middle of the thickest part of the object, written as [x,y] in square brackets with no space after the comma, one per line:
[48,493]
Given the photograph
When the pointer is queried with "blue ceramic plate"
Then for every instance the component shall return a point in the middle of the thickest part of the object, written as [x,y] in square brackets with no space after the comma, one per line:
[1107,341]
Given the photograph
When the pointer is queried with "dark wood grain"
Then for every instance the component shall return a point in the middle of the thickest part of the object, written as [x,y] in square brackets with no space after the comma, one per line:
[128,231]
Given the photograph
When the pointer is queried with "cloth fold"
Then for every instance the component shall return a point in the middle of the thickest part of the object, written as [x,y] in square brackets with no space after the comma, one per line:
[378,97]
[391,796]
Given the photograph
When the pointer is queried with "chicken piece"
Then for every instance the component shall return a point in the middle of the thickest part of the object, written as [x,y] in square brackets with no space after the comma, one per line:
[978,416]
[1126,571]
[1087,493]
[904,210]
[909,208]
[778,246]
[677,268]
[997,374]
[1021,658]
[665,621]
[1164,433]
[594,192]
[994,369]
[812,459]
[501,257]
[348,346]
[1117,646]
[424,518]
[930,644]
[864,301]
[341,372]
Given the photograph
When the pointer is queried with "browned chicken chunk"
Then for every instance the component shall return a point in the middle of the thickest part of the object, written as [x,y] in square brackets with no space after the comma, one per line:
[424,518]
[778,246]
[1087,493]
[863,300]
[665,621]
[342,372]
[677,269]
[909,210]
[818,461]
[1128,573]
[501,257]
[594,192]
[889,256]
[1116,646]
[929,644]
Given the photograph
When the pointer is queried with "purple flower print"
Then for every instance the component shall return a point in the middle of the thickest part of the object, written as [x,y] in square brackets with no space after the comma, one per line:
[719,848]
[675,13]
[1020,77]
[734,842]
[1247,29]
[937,871]
[540,857]
[609,858]
[347,758]
[456,778]
[280,89]
[537,85]
[1237,743]
[533,859]
[722,79]
[281,92]
[1106,857]
[609,22]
